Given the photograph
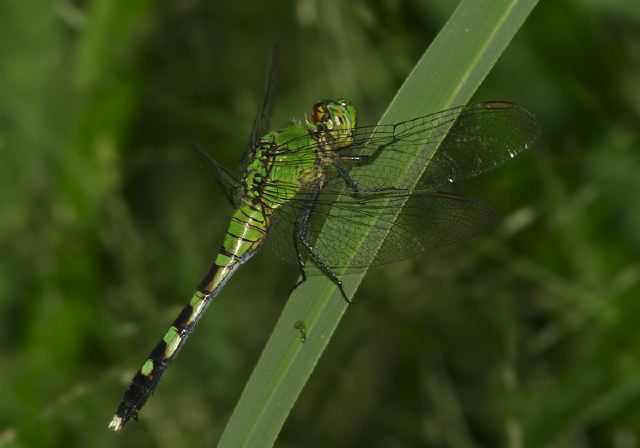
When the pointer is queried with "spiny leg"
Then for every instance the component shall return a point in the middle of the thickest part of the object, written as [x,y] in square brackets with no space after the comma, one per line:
[326,270]
[364,159]
[302,217]
[355,189]
[303,273]
[348,180]
[300,229]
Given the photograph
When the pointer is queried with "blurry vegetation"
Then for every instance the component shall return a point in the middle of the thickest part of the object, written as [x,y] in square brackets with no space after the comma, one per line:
[525,337]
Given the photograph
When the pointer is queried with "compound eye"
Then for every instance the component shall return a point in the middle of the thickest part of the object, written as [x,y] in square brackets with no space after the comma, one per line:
[320,127]
[319,112]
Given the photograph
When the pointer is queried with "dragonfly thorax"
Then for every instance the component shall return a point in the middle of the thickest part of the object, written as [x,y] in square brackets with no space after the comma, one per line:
[281,163]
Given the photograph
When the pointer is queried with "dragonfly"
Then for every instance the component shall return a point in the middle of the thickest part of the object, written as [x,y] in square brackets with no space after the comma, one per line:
[318,192]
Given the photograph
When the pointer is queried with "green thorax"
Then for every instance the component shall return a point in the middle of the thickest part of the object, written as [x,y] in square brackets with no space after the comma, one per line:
[289,159]
[282,160]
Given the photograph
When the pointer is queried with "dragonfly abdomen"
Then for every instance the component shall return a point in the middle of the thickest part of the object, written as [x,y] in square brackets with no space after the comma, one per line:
[146,379]
[246,232]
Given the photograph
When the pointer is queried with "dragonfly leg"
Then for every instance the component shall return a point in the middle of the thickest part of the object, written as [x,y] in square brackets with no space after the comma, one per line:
[300,237]
[366,159]
[355,189]
[347,179]
[303,273]
[326,270]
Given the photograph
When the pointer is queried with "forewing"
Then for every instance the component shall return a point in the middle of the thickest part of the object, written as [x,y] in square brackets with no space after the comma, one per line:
[409,222]
[482,137]
[262,121]
[453,144]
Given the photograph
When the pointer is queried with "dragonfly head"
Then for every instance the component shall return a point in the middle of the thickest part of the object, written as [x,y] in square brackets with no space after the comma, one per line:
[335,120]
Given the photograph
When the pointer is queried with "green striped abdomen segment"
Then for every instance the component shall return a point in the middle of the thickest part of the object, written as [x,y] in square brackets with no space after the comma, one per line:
[246,232]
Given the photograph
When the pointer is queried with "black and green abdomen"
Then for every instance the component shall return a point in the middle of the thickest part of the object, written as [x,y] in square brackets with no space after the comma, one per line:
[246,232]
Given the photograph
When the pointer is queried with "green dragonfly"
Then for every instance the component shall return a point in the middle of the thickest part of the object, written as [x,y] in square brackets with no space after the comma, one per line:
[316,193]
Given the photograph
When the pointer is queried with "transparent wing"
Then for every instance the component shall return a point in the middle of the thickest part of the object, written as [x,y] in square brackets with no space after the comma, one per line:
[224,178]
[483,136]
[262,121]
[410,223]
[478,137]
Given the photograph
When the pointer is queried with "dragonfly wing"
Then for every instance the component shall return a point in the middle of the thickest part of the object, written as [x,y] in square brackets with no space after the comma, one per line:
[409,222]
[453,144]
[224,177]
[262,121]
[483,136]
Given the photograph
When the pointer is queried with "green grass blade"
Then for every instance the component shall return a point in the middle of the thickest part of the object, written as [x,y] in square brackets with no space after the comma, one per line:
[447,75]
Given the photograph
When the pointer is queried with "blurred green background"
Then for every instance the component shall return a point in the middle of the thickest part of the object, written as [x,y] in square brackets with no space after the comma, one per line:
[529,336]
